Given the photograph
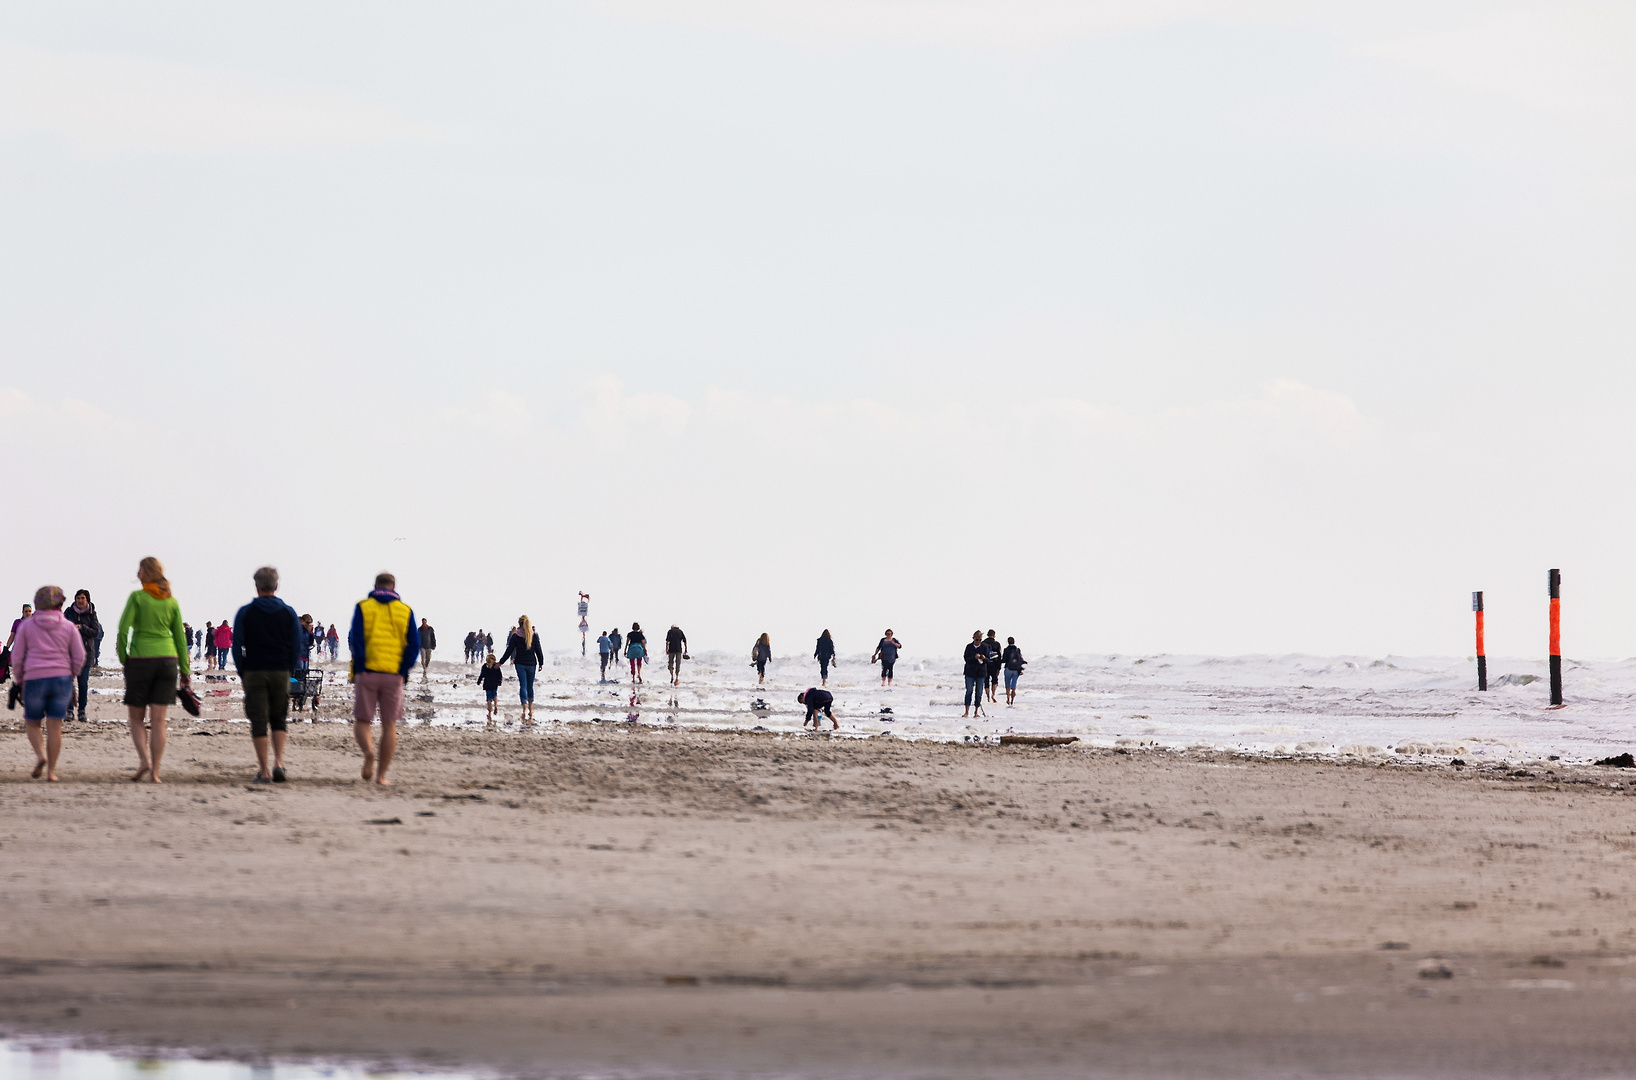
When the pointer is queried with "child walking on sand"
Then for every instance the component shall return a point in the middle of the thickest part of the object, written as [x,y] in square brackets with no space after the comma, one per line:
[491,674]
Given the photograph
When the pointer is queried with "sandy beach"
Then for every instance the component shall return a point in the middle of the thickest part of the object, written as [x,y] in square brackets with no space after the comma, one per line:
[671,901]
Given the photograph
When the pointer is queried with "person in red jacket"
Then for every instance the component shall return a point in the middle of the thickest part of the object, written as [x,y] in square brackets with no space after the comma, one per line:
[224,643]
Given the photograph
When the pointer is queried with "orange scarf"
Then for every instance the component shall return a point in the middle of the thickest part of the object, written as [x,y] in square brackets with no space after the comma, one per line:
[157,591]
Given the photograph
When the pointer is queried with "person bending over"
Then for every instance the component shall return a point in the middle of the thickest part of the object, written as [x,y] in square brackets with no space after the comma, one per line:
[817,701]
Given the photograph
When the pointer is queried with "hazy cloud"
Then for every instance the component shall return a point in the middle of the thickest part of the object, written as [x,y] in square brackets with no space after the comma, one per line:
[959,23]
[124,103]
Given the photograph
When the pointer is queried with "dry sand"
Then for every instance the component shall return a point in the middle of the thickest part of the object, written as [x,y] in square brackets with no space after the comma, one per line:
[665,900]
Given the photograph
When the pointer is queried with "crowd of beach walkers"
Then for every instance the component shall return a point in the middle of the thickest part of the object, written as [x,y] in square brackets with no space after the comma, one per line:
[53,646]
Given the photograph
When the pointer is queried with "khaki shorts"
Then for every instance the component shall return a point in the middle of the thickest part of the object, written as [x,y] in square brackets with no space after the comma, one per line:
[266,701]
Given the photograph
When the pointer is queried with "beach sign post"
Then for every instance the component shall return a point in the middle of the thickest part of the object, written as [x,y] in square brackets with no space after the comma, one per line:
[1554,581]
[1482,656]
[584,623]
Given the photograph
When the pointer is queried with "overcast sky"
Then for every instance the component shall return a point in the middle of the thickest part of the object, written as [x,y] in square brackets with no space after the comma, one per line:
[1187,326]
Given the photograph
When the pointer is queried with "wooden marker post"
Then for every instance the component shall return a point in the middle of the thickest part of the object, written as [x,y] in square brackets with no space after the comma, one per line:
[1482,656]
[1555,582]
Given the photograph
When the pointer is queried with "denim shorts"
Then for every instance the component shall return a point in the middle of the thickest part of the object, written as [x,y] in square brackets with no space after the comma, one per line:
[47,698]
[1011,679]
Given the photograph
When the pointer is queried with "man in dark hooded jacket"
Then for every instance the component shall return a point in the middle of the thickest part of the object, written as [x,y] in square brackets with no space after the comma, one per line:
[266,648]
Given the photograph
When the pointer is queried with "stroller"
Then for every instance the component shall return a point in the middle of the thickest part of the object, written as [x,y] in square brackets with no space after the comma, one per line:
[305,685]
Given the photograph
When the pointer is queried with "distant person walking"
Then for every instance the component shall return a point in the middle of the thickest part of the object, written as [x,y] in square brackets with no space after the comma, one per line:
[471,645]
[83,614]
[490,676]
[16,624]
[334,643]
[47,656]
[208,645]
[636,651]
[304,659]
[760,653]
[817,701]
[675,653]
[604,650]
[825,652]
[428,642]
[976,674]
[269,643]
[524,652]
[150,647]
[223,643]
[1014,663]
[887,653]
[618,644]
[385,643]
[992,665]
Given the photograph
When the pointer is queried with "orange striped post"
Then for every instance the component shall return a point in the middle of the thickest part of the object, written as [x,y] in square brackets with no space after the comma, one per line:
[1555,583]
[1482,656]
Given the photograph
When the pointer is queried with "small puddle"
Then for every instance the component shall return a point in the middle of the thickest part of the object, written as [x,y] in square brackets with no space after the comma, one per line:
[45,1059]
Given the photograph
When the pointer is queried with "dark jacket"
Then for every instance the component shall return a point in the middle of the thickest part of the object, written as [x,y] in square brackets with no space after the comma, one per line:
[491,677]
[90,628]
[976,660]
[266,636]
[428,638]
[530,655]
[819,701]
[675,640]
[826,649]
[1012,657]
[992,649]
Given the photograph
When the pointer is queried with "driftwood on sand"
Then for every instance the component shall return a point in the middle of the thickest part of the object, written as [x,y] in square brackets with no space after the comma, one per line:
[1037,740]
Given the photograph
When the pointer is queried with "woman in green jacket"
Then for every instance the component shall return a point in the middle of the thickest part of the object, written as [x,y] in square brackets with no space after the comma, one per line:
[154,654]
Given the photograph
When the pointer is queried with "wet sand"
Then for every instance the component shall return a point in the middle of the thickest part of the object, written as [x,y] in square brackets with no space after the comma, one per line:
[670,900]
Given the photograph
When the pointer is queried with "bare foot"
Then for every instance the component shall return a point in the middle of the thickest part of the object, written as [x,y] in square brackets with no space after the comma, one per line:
[369,767]
[383,782]
[39,767]
[51,778]
[140,773]
[153,777]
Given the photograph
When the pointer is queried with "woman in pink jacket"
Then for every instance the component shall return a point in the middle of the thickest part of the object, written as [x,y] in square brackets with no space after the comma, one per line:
[47,657]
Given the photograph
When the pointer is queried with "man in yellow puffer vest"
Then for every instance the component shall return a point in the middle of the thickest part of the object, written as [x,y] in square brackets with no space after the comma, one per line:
[385,643]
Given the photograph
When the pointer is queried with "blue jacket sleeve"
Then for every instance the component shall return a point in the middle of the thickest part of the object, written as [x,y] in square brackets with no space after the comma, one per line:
[295,636]
[355,638]
[238,640]
[411,646]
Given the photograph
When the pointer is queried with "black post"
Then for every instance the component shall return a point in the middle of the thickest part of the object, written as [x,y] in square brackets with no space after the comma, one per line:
[1555,583]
